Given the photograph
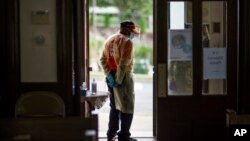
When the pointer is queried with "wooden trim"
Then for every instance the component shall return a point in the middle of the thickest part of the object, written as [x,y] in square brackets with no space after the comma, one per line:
[66,55]
[244,58]
[197,48]
[161,30]
[12,49]
[4,96]
[86,64]
[154,69]
[84,48]
[232,49]
[78,43]
[60,39]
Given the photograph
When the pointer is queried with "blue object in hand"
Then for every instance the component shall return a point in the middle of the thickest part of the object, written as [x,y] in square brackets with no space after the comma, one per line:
[111,81]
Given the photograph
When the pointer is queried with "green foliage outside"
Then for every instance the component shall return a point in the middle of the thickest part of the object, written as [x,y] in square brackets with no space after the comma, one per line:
[143,58]
[138,11]
[141,51]
[106,20]
[95,44]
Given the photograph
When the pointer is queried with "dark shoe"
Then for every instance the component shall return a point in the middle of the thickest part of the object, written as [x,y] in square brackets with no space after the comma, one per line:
[111,138]
[130,139]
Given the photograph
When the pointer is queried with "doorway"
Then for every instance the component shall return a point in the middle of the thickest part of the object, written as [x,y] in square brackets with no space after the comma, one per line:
[104,19]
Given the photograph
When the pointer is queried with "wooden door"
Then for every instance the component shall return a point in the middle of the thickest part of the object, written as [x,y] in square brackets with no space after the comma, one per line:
[196,68]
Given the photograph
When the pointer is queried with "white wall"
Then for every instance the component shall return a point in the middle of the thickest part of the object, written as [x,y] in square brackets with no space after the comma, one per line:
[216,9]
[38,61]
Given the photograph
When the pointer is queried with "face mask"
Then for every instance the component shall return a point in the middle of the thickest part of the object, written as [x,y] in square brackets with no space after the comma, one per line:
[131,36]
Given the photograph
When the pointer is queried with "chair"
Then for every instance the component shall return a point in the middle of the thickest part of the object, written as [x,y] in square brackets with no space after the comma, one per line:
[40,104]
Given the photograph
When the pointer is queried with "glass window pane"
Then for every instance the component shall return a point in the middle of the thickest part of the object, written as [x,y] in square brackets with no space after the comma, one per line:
[214,43]
[180,65]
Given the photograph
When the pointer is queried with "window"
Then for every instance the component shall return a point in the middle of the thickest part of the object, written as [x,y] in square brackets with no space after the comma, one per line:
[214,44]
[180,66]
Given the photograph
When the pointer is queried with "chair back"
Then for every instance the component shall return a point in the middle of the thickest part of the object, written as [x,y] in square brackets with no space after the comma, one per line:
[40,104]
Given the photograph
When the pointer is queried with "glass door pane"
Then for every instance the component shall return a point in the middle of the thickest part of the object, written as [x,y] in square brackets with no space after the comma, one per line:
[180,60]
[214,43]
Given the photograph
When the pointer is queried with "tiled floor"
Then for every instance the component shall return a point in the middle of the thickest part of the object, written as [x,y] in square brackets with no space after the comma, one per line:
[138,139]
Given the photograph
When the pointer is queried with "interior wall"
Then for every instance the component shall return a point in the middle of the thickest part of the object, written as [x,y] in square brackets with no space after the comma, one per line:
[217,12]
[38,51]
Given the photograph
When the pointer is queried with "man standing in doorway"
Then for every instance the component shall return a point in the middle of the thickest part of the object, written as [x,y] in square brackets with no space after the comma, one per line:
[117,63]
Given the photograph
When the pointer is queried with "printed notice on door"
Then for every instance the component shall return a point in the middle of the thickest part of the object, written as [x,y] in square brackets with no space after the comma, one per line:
[214,60]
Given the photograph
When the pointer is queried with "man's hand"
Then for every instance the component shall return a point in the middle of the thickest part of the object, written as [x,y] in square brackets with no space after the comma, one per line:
[111,81]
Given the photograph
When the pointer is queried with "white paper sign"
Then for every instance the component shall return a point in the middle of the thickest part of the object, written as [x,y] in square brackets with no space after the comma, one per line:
[215,61]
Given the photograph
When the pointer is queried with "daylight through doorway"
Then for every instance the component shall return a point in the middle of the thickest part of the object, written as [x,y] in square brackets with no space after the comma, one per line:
[104,20]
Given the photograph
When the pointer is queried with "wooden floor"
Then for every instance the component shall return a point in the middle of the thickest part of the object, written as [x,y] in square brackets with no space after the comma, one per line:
[138,139]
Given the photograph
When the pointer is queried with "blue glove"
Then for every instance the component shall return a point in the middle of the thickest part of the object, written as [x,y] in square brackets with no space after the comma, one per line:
[111,81]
